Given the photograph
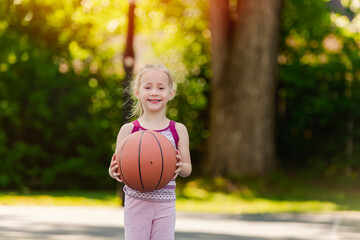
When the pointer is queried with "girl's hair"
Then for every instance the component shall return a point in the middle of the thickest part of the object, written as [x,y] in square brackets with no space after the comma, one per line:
[137,109]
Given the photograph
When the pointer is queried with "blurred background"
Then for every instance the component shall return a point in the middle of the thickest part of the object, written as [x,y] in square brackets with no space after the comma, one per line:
[269,93]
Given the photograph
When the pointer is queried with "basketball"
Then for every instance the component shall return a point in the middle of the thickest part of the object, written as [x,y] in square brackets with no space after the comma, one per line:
[147,161]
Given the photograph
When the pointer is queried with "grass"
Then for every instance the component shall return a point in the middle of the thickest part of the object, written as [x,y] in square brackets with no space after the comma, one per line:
[61,198]
[277,193]
[268,195]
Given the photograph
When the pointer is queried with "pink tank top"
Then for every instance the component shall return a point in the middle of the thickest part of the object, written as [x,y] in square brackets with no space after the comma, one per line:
[167,193]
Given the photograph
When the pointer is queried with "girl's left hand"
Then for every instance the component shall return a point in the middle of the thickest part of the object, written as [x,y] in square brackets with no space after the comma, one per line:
[179,164]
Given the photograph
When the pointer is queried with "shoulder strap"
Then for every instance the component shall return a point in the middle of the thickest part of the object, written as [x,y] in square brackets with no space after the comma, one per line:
[174,132]
[136,126]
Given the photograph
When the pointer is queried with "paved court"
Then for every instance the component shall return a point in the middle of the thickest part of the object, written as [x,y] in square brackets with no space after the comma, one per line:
[106,223]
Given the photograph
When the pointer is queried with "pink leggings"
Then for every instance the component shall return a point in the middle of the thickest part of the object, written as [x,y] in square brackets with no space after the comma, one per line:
[144,220]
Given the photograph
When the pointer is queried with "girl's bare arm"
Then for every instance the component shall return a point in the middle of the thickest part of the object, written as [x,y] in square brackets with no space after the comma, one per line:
[184,165]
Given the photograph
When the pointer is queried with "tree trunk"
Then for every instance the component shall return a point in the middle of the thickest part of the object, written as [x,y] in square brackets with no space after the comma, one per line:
[128,65]
[244,63]
[128,61]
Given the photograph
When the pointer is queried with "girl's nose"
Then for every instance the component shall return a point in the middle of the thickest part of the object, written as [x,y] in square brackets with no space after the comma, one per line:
[154,92]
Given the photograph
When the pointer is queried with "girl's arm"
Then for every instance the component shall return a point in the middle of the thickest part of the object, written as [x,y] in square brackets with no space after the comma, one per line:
[184,165]
[123,133]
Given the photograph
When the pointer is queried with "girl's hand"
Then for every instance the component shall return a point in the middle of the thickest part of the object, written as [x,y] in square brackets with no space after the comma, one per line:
[179,164]
[112,169]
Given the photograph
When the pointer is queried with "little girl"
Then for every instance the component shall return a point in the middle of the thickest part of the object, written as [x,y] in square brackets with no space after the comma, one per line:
[151,215]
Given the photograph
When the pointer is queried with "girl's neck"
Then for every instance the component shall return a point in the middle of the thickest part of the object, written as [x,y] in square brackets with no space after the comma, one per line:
[154,121]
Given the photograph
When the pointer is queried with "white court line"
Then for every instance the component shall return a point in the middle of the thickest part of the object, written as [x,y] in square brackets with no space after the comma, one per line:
[334,229]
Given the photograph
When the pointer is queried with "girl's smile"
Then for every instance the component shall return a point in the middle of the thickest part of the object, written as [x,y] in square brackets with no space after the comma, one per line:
[154,101]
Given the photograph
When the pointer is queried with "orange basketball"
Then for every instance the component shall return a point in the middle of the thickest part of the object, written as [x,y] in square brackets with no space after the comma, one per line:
[147,161]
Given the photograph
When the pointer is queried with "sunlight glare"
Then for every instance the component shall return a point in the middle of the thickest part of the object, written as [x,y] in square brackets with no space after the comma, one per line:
[28,16]
[88,4]
[340,21]
[105,3]
[332,43]
[18,2]
[113,25]
[355,5]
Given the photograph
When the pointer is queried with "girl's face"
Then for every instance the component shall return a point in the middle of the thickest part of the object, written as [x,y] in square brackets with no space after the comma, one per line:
[154,91]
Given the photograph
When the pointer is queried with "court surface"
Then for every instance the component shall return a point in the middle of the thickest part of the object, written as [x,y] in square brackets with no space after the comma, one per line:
[105,223]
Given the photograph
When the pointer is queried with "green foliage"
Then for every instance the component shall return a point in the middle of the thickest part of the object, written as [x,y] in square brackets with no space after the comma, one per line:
[319,85]
[58,113]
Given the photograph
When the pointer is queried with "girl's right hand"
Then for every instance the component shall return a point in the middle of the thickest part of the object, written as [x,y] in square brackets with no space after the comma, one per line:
[112,169]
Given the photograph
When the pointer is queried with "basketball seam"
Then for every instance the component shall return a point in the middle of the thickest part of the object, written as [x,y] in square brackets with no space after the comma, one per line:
[162,159]
[139,161]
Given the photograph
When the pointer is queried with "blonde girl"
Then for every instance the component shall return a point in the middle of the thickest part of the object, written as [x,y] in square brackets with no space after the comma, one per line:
[151,215]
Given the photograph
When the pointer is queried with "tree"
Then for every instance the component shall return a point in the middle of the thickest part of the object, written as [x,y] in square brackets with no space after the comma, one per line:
[129,60]
[128,65]
[244,62]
